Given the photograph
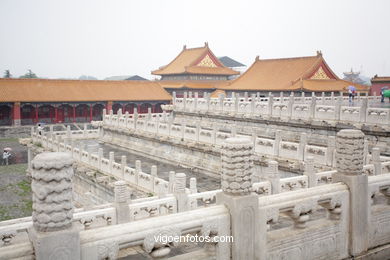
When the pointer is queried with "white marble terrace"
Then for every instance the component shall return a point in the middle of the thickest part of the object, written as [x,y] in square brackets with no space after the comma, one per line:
[315,108]
[328,215]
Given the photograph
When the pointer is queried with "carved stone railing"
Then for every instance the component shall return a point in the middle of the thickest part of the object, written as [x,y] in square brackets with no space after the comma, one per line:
[304,108]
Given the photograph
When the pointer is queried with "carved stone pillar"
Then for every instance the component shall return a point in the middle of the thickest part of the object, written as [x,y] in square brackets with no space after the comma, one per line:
[273,176]
[53,235]
[309,171]
[180,192]
[236,174]
[122,196]
[349,164]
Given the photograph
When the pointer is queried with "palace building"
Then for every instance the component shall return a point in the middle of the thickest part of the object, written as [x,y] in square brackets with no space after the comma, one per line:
[29,101]
[300,74]
[194,69]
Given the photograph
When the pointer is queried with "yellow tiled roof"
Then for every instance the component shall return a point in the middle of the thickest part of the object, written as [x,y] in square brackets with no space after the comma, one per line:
[275,74]
[48,90]
[187,63]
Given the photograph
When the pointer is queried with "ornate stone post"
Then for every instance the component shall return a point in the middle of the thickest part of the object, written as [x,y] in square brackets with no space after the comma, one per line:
[270,104]
[278,139]
[349,164]
[180,192]
[330,150]
[309,171]
[171,184]
[376,160]
[122,196]
[236,175]
[273,176]
[123,164]
[193,188]
[302,146]
[290,105]
[363,109]
[53,234]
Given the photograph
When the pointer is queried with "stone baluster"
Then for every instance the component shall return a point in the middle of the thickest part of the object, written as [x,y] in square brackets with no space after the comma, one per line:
[310,172]
[302,146]
[339,102]
[278,139]
[253,102]
[220,101]
[111,115]
[270,104]
[303,97]
[111,161]
[123,164]
[149,117]
[376,160]
[349,165]
[104,115]
[171,185]
[185,101]
[323,98]
[363,109]
[180,192]
[330,150]
[53,235]
[85,130]
[207,98]
[189,94]
[51,131]
[290,105]
[236,175]
[193,188]
[246,96]
[313,106]
[332,98]
[122,196]
[68,132]
[236,104]
[196,97]
[273,176]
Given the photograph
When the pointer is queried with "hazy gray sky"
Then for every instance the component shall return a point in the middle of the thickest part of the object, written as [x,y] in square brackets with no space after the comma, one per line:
[122,37]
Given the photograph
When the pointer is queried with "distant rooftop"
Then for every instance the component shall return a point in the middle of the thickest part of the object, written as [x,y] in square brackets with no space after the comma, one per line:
[125,77]
[229,62]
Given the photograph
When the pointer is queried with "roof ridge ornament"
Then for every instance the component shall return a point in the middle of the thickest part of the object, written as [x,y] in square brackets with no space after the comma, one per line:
[257,58]
[184,47]
[206,44]
[319,53]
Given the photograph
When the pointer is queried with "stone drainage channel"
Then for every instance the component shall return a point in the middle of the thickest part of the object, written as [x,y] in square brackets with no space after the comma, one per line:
[204,182]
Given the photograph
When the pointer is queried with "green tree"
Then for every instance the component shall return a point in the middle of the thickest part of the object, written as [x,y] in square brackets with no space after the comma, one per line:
[29,75]
[7,74]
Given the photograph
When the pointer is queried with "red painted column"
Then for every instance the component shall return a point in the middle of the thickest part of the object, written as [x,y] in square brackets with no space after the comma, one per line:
[90,112]
[74,113]
[153,108]
[139,108]
[36,113]
[16,114]
[55,114]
